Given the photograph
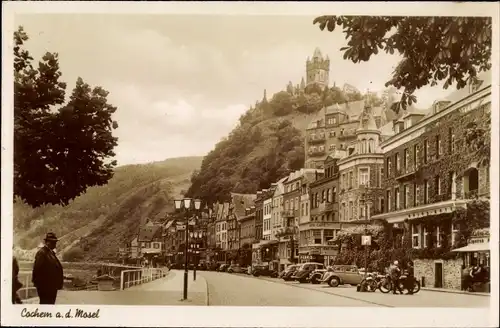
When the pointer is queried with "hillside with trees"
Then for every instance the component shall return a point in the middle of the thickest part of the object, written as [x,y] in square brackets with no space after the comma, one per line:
[106,217]
[266,145]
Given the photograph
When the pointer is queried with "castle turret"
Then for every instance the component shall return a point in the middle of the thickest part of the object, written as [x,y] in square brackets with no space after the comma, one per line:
[368,135]
[318,69]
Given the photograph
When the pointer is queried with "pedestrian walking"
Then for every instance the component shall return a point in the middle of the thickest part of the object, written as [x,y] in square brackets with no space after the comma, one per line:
[48,275]
[16,284]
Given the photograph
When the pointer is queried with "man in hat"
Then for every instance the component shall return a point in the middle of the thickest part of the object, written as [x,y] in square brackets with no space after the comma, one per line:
[48,275]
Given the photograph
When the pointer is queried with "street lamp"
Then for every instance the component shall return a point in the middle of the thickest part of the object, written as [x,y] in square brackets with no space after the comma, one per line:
[196,235]
[186,205]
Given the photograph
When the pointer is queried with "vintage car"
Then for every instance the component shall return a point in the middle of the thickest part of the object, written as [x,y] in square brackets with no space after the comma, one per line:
[263,270]
[343,275]
[288,272]
[223,267]
[236,268]
[302,274]
[317,275]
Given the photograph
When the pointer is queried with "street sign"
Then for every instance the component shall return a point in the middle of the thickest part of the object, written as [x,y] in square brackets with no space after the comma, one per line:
[366,240]
[181,227]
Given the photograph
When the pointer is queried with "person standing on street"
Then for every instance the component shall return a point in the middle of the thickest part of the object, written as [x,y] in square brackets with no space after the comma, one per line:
[16,284]
[395,273]
[410,277]
[48,275]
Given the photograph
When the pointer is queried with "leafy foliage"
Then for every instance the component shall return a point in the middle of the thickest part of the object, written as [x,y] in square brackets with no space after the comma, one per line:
[449,49]
[58,154]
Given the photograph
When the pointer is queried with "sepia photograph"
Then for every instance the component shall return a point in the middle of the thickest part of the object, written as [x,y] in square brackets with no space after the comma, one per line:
[215,160]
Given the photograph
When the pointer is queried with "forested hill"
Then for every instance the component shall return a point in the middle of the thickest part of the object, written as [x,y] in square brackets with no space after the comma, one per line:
[106,217]
[267,144]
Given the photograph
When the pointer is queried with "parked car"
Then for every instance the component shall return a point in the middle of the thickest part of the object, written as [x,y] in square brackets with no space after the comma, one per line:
[316,276]
[263,270]
[302,274]
[249,269]
[212,266]
[343,275]
[288,272]
[223,267]
[235,268]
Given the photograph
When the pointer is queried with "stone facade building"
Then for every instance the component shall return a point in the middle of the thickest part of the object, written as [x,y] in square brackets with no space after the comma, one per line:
[361,172]
[431,173]
[322,223]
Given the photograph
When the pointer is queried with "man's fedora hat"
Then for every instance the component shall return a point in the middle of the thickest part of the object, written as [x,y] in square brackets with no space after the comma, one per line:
[51,236]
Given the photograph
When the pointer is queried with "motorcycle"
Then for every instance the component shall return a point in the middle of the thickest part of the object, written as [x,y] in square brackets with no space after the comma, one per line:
[386,284]
[370,283]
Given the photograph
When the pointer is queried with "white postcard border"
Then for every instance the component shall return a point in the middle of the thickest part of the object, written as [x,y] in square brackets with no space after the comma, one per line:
[244,316]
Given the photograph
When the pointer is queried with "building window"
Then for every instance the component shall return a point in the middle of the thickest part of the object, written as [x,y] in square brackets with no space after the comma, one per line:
[351,210]
[426,151]
[406,159]
[364,177]
[381,204]
[380,177]
[437,184]
[307,209]
[416,194]
[351,178]
[416,154]
[317,236]
[343,215]
[426,191]
[344,181]
[415,233]
[451,140]
[388,197]
[327,235]
[389,166]
[454,233]
[334,194]
[438,146]
[406,198]
[362,210]
[396,198]
[329,195]
[398,163]
[425,237]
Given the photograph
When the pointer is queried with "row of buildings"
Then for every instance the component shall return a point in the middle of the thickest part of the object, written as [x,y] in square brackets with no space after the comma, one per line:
[413,173]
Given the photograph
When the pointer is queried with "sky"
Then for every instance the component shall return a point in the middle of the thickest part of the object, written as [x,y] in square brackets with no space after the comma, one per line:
[181,82]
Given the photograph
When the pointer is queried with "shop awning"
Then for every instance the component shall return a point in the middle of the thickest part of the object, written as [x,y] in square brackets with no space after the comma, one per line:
[479,247]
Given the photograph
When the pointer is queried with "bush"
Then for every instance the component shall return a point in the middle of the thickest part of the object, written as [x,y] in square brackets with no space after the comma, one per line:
[73,255]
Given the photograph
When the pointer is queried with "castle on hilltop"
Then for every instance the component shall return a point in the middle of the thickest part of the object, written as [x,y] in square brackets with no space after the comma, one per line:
[317,70]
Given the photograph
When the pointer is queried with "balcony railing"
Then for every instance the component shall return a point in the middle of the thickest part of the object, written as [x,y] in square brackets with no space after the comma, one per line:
[317,152]
[346,136]
[316,139]
[288,213]
[403,174]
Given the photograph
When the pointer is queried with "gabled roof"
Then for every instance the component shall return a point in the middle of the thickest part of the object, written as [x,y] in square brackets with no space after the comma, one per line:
[148,232]
[240,202]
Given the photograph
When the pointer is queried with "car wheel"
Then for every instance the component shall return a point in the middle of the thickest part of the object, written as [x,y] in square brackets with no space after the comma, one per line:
[334,282]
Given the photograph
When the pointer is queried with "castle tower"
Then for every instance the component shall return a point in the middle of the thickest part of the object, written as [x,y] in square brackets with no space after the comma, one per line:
[318,70]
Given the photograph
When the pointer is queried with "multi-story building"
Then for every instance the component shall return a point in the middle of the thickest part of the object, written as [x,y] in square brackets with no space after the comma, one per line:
[267,217]
[211,233]
[259,216]
[221,231]
[431,174]
[277,207]
[239,204]
[247,236]
[333,128]
[150,241]
[322,223]
[288,237]
[361,172]
[259,248]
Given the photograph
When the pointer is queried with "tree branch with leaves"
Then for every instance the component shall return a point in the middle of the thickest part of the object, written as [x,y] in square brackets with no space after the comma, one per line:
[58,153]
[434,49]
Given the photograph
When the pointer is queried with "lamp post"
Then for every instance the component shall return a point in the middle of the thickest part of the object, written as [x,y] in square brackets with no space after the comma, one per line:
[196,235]
[187,206]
